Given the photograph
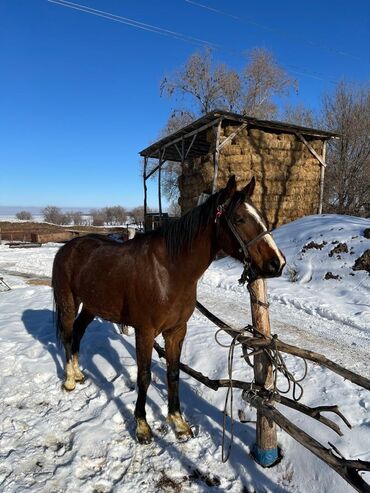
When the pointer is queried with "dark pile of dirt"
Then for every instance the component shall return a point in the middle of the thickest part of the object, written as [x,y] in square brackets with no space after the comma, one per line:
[330,275]
[363,262]
[340,248]
[367,233]
[313,244]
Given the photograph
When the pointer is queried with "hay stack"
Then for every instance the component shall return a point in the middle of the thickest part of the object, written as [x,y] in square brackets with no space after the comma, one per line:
[287,174]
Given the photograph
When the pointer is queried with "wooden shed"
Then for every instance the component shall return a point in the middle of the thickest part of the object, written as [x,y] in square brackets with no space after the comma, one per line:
[287,160]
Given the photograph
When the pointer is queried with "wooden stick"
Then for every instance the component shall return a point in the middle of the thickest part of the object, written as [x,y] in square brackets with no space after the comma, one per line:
[290,349]
[348,469]
[215,384]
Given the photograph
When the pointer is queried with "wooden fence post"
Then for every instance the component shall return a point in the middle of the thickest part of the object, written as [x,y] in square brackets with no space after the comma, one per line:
[265,449]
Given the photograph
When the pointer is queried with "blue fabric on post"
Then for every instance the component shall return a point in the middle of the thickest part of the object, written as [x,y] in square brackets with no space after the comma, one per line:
[265,457]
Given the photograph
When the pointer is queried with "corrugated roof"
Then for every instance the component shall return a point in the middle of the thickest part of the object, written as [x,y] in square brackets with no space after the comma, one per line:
[201,146]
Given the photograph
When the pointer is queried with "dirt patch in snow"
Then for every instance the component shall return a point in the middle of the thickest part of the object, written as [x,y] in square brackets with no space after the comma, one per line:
[363,262]
[330,275]
[367,233]
[340,248]
[313,244]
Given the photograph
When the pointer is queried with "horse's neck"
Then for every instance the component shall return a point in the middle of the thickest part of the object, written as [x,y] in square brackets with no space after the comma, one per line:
[204,249]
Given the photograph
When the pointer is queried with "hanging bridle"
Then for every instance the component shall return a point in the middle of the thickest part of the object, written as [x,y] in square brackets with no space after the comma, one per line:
[248,273]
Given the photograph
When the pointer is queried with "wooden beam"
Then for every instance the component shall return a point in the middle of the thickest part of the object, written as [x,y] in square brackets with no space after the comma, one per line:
[322,178]
[318,358]
[190,146]
[154,170]
[232,136]
[178,150]
[216,157]
[190,134]
[321,159]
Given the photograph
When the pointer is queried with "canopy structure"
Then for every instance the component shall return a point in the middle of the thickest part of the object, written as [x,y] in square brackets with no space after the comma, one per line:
[193,141]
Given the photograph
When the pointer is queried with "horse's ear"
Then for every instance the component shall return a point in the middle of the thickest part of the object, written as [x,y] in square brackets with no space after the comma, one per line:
[249,189]
[227,192]
[231,186]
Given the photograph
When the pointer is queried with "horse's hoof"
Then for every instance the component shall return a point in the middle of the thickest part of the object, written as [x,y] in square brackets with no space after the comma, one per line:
[68,386]
[182,430]
[81,379]
[184,436]
[143,432]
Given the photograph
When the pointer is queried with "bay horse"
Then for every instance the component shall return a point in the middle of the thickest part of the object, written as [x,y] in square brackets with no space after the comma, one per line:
[150,283]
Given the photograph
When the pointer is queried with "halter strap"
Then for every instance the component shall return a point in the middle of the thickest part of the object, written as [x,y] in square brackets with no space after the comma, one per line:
[243,246]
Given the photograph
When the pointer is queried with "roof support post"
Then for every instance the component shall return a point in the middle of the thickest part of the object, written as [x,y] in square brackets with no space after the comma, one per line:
[322,178]
[161,161]
[216,156]
[145,189]
[322,162]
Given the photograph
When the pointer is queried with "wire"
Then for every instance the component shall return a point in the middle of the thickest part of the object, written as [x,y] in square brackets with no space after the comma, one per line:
[177,35]
[134,23]
[282,33]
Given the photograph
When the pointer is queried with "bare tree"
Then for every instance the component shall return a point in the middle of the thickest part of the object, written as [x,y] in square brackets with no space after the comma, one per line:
[53,214]
[24,216]
[205,86]
[98,217]
[263,80]
[299,115]
[347,183]
[137,214]
[174,210]
[76,217]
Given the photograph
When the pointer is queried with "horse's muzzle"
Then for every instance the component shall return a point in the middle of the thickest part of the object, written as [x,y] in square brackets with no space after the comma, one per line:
[274,267]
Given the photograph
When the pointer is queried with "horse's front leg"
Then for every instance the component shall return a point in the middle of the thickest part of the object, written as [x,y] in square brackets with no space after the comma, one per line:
[144,348]
[173,344]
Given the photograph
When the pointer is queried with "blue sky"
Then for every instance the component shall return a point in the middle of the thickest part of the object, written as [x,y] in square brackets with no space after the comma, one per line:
[79,94]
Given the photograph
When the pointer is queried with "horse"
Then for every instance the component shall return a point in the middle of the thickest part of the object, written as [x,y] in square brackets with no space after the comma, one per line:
[150,284]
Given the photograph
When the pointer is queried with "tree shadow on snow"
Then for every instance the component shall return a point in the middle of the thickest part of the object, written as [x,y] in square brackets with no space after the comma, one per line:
[98,343]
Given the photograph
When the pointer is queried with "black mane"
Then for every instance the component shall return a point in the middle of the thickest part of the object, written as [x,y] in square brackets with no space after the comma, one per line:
[179,233]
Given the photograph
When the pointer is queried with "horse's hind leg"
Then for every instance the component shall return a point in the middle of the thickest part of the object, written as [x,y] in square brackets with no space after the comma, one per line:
[66,309]
[173,345]
[79,327]
[144,348]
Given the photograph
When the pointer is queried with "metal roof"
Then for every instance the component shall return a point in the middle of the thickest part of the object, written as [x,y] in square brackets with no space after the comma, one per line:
[201,146]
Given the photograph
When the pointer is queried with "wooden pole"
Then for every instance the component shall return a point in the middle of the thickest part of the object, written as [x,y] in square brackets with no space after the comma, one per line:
[145,190]
[159,189]
[265,450]
[322,177]
[216,157]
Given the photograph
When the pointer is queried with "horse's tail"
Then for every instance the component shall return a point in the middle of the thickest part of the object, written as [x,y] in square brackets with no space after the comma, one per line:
[57,319]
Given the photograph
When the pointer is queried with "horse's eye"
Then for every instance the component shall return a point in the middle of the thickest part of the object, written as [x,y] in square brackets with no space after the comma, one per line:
[239,220]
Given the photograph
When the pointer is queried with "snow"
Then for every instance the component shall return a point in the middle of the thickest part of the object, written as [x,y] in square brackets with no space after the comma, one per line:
[51,440]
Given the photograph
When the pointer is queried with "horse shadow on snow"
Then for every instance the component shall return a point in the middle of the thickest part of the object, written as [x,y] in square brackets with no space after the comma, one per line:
[100,344]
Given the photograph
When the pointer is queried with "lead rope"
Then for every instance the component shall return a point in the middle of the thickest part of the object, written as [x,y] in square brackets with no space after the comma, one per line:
[278,364]
[229,393]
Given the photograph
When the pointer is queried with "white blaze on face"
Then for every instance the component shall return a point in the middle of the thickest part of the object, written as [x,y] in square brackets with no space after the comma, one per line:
[267,238]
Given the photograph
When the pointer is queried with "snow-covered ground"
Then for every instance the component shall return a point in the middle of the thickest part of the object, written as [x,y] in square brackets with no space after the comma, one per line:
[52,441]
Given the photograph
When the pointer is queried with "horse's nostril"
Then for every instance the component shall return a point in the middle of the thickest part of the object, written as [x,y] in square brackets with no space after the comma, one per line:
[275,264]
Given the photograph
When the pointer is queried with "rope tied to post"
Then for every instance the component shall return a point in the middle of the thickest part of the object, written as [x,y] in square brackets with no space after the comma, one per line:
[252,396]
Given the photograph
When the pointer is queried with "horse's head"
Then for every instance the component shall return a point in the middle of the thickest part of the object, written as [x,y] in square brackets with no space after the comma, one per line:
[243,233]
